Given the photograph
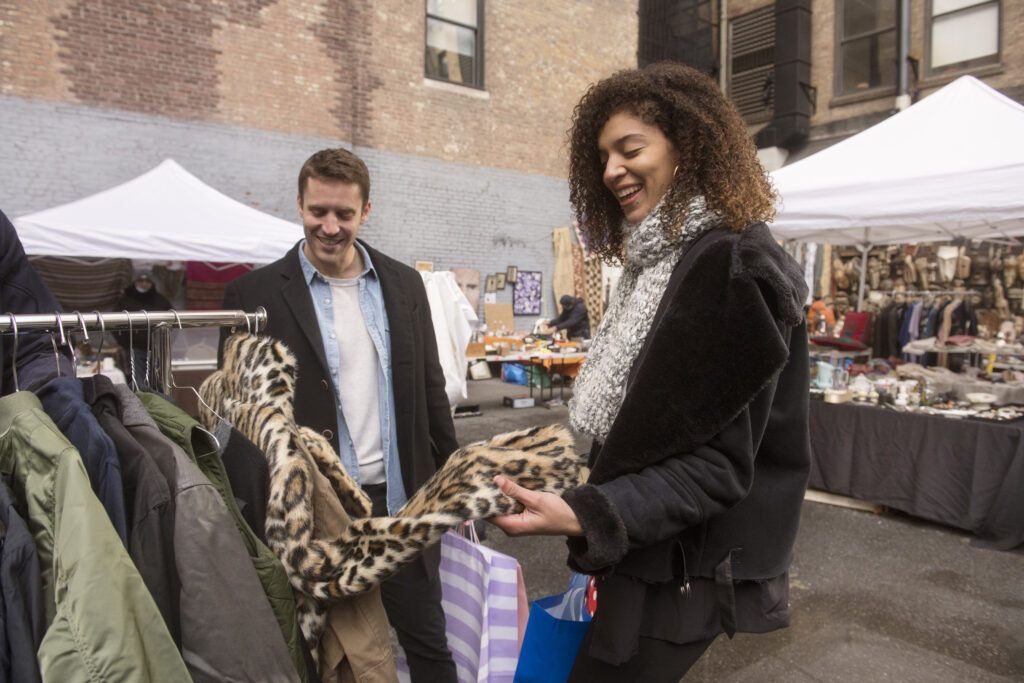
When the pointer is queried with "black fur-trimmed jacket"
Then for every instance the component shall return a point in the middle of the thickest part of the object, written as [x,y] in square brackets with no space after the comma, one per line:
[693,501]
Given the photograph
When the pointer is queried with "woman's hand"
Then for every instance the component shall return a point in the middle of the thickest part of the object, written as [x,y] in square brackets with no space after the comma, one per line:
[545,514]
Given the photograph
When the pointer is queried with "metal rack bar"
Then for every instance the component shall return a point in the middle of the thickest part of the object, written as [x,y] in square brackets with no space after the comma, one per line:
[920,292]
[139,320]
[158,323]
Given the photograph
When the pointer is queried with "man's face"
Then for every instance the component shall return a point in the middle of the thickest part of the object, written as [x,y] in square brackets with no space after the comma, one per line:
[143,284]
[331,213]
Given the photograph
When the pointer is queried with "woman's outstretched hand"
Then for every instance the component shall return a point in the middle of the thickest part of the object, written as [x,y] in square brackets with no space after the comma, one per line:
[545,514]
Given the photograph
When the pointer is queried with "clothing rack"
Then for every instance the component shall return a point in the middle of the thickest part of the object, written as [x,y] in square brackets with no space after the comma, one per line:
[919,293]
[158,323]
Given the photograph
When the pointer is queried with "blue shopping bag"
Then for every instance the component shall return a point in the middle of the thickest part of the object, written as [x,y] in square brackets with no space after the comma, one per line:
[553,635]
[513,373]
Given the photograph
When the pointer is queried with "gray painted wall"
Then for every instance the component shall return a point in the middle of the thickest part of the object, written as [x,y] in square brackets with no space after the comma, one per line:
[455,215]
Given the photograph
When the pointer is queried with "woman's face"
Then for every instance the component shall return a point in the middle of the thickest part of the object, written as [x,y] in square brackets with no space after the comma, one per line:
[639,163]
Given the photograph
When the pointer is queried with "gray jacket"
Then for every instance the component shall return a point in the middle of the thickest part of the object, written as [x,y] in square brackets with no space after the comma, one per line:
[228,631]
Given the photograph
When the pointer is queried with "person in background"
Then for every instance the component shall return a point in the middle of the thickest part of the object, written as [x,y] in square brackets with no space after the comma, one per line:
[22,291]
[369,378]
[574,318]
[695,390]
[140,295]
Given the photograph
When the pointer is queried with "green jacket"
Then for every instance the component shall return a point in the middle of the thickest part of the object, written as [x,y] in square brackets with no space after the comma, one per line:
[200,445]
[103,625]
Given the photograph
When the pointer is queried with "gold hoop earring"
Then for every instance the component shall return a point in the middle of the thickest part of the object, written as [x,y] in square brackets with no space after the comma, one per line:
[675,170]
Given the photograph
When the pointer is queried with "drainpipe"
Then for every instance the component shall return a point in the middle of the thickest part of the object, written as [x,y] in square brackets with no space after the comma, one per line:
[903,95]
[723,45]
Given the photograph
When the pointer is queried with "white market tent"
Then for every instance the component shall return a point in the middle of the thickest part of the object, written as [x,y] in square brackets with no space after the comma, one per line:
[951,165]
[163,215]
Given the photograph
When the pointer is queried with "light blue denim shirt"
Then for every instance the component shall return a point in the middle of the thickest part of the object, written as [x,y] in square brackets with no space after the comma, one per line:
[371,302]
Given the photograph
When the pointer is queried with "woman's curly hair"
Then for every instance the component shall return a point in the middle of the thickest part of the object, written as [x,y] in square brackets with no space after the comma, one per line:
[717,158]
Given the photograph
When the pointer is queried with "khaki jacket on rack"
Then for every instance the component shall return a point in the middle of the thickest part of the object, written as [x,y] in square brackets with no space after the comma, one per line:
[356,645]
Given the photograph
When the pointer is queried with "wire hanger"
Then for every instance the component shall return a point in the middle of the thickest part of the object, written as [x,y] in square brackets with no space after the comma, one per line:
[149,350]
[63,340]
[103,334]
[14,355]
[131,356]
[206,405]
[71,340]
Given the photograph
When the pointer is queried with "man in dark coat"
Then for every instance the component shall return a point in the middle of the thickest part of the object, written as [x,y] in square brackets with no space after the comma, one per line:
[23,291]
[574,318]
[369,378]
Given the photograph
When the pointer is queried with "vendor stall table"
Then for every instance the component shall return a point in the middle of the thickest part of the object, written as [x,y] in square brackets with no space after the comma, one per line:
[817,351]
[565,364]
[965,473]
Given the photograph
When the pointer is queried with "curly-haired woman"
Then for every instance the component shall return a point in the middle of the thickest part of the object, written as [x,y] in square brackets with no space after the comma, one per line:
[695,387]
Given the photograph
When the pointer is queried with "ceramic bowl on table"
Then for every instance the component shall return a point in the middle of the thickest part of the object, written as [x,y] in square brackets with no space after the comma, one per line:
[981,401]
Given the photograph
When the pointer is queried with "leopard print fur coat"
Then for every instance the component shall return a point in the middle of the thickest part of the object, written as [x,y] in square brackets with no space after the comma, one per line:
[254,391]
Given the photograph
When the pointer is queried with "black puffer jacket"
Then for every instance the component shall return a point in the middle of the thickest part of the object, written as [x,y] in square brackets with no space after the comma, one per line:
[22,291]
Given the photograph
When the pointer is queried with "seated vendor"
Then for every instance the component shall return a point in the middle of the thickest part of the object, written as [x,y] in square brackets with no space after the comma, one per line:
[574,318]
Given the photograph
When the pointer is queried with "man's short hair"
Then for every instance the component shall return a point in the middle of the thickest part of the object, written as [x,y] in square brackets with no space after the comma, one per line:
[336,165]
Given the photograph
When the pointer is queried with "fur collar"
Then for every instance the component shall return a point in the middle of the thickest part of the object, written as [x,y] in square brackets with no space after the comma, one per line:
[696,371]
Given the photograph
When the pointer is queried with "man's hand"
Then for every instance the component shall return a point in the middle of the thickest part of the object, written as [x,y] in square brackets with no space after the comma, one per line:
[545,514]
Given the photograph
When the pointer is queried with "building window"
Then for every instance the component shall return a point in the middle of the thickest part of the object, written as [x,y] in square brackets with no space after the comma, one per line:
[455,41]
[683,31]
[752,63]
[962,34]
[866,45]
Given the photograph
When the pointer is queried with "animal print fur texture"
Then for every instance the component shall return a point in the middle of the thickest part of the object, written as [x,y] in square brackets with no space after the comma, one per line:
[254,392]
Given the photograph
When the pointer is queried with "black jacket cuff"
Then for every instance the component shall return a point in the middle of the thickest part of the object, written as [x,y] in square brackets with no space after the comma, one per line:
[604,542]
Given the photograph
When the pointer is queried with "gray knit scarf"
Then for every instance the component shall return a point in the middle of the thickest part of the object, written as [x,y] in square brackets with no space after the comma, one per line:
[649,261]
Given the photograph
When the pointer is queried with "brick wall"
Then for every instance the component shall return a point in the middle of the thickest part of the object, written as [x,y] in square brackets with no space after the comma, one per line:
[1009,75]
[344,69]
[240,93]
[844,116]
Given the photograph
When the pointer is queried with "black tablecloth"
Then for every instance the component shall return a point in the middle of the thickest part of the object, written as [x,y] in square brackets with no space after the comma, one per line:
[965,473]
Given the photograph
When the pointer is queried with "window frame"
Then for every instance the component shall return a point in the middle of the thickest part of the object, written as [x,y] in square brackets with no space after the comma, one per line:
[841,40]
[478,56]
[967,65]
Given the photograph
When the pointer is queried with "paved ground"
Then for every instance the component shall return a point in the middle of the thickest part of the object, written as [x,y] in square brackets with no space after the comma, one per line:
[874,597]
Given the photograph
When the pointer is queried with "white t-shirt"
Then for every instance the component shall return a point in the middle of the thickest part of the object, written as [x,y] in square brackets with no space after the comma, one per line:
[357,379]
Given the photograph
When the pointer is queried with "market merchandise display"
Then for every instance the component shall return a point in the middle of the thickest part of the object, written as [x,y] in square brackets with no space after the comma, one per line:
[974,393]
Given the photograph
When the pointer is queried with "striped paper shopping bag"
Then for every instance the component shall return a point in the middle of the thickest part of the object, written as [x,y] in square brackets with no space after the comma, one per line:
[483,598]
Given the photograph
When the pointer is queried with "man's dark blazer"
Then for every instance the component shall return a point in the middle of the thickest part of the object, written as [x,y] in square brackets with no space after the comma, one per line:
[423,419]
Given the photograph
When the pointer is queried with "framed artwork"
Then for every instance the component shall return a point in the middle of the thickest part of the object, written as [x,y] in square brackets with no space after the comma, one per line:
[425,265]
[526,294]
[499,280]
[491,284]
[468,280]
[510,274]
